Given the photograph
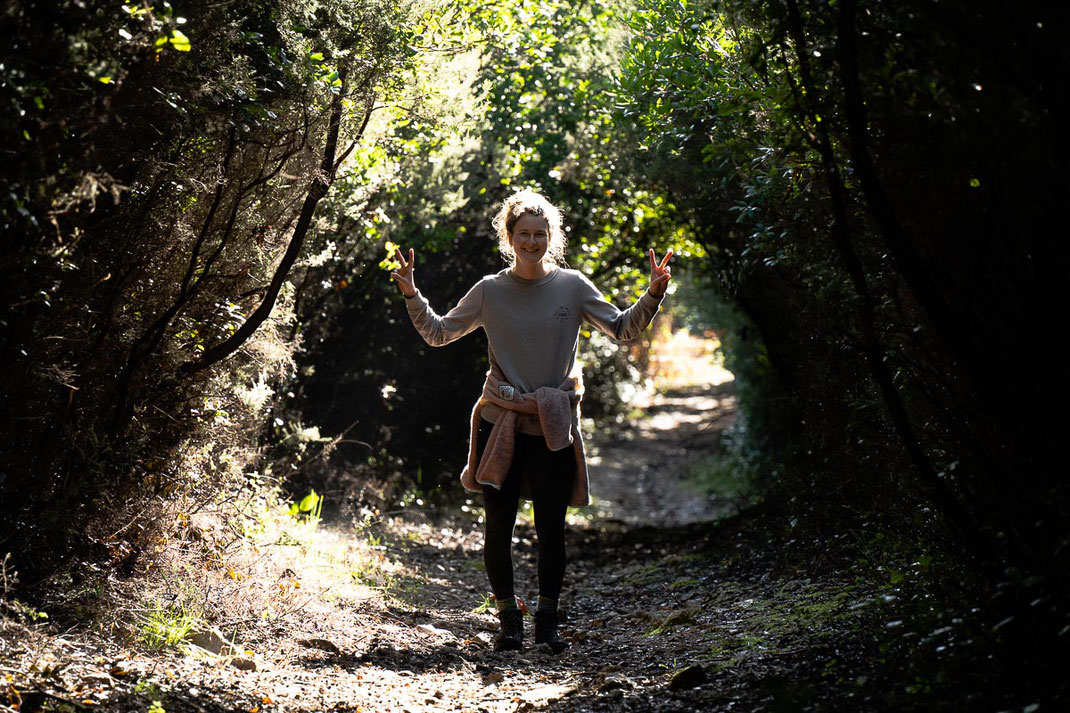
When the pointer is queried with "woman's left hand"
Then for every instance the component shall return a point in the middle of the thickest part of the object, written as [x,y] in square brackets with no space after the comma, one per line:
[660,274]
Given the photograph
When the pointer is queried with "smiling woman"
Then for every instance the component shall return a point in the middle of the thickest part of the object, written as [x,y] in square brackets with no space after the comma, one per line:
[529,241]
[526,441]
[524,215]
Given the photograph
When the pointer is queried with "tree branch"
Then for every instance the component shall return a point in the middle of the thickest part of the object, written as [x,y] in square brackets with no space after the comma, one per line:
[317,189]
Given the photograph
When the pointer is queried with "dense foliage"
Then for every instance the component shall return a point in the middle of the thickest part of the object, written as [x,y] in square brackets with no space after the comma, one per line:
[841,168]
[198,198]
[535,110]
[164,167]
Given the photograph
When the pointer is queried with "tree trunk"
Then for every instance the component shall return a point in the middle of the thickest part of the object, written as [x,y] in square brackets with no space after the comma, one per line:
[941,496]
[321,183]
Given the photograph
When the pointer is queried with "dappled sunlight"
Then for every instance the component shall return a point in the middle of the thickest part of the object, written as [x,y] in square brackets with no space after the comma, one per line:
[390,614]
[672,409]
[805,256]
[639,472]
[680,359]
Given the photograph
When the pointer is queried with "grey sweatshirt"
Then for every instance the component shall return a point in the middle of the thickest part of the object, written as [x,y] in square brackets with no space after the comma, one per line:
[532,326]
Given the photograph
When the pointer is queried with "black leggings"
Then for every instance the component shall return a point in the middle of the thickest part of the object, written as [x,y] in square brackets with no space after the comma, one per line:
[549,476]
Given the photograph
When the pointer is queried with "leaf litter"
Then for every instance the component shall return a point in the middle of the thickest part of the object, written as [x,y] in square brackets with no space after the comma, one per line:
[671,603]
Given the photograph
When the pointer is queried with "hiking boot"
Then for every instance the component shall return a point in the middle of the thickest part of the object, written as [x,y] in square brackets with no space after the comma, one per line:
[511,635]
[546,631]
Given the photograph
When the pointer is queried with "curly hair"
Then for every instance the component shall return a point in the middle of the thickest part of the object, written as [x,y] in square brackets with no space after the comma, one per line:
[530,202]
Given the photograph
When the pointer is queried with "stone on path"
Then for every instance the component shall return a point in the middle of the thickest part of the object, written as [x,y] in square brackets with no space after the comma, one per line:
[321,644]
[211,640]
[544,694]
[688,678]
[243,664]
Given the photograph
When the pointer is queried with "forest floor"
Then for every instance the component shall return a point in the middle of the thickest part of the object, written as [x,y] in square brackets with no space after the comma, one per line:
[675,600]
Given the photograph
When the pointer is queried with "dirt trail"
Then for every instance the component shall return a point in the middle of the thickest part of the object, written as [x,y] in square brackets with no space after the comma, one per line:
[640,475]
[663,611]
[425,649]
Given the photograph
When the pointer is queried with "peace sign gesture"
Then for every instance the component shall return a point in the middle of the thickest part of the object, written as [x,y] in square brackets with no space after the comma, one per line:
[660,274]
[403,275]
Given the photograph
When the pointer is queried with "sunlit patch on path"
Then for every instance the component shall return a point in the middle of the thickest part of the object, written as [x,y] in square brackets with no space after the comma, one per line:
[663,610]
[640,471]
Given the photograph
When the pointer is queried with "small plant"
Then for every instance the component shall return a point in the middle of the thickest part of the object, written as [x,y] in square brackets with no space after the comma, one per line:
[146,687]
[486,605]
[150,690]
[308,507]
[8,580]
[25,611]
[167,626]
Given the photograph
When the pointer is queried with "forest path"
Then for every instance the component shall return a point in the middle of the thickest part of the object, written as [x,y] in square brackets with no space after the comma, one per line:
[641,474]
[664,609]
[416,644]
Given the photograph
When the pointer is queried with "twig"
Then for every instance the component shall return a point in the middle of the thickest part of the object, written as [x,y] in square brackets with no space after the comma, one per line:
[165,413]
[77,705]
[707,426]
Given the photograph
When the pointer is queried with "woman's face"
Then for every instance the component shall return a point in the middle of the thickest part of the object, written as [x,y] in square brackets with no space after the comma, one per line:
[529,238]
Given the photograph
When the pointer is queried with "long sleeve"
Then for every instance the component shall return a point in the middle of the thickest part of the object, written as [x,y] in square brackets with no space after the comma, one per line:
[459,321]
[611,321]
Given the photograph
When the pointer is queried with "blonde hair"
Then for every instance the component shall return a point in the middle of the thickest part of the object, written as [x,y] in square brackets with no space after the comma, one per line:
[529,202]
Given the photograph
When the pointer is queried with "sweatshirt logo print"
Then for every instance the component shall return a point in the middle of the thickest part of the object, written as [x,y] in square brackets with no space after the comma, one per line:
[561,313]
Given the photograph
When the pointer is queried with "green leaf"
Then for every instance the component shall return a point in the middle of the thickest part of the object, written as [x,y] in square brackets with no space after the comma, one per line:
[179,41]
[309,502]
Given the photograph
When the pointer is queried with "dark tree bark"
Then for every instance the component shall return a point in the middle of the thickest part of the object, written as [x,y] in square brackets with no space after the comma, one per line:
[941,496]
[321,183]
[147,342]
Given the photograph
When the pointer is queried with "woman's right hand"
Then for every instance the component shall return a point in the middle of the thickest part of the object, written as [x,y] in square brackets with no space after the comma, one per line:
[403,275]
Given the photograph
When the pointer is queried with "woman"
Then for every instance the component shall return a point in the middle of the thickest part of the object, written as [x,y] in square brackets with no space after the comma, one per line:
[525,427]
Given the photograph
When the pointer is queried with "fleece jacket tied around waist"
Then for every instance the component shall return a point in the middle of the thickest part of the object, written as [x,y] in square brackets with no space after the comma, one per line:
[559,417]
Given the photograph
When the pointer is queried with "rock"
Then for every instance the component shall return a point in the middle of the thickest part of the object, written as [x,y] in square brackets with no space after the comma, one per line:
[682,616]
[98,679]
[540,695]
[321,644]
[614,682]
[211,640]
[688,678]
[243,664]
